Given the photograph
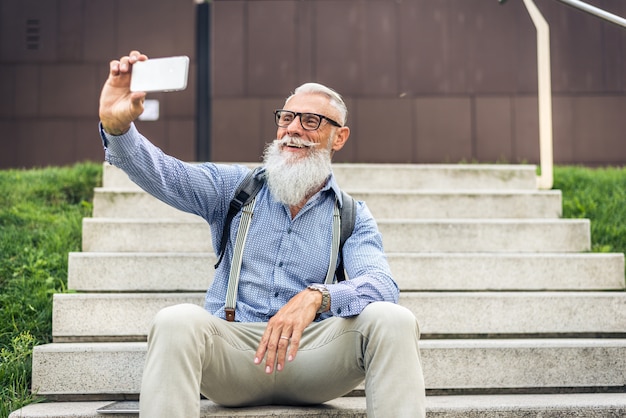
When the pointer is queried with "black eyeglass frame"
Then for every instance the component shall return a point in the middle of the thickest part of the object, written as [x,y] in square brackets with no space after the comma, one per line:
[299,114]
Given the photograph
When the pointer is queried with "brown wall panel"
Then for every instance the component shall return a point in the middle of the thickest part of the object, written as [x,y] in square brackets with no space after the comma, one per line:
[28,91]
[229,68]
[236,130]
[156,131]
[29,30]
[424,42]
[268,127]
[444,129]
[99,37]
[8,144]
[7,91]
[338,30]
[463,70]
[525,130]
[69,90]
[599,129]
[70,43]
[563,128]
[387,126]
[181,135]
[494,129]
[87,145]
[485,43]
[576,52]
[157,28]
[272,47]
[44,142]
[378,49]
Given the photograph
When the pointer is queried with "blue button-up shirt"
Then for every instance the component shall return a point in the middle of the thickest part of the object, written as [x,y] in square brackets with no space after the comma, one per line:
[282,255]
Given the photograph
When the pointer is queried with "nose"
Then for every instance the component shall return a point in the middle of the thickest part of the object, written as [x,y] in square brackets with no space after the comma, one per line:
[295,127]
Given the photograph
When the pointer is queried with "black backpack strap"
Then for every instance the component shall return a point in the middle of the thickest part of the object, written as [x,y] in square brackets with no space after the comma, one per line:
[246,191]
[348,219]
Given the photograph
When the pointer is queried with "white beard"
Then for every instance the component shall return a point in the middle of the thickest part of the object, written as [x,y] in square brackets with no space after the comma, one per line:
[292,179]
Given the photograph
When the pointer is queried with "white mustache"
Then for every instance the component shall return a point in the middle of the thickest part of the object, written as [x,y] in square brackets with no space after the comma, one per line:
[298,142]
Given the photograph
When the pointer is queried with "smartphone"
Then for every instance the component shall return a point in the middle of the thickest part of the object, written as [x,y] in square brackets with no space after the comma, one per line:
[160,74]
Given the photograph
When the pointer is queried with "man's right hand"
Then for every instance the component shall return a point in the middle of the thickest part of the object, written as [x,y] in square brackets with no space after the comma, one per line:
[119,107]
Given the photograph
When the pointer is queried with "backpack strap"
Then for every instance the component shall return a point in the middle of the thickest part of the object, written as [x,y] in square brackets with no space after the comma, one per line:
[335,242]
[244,194]
[348,219]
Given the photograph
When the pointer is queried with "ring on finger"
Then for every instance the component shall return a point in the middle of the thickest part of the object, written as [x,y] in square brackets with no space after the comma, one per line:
[282,337]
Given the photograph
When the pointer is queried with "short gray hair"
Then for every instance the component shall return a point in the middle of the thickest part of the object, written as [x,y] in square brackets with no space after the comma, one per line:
[335,98]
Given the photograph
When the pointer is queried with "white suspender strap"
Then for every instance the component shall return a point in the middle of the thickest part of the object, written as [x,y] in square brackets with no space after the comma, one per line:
[334,251]
[235,265]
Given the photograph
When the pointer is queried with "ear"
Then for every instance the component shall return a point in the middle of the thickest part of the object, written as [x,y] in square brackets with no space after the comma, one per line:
[341,137]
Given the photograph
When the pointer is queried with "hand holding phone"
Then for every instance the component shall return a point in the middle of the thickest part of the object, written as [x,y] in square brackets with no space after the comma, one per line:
[160,74]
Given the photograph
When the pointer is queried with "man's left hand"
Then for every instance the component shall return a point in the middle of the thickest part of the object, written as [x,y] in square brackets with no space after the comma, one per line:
[284,330]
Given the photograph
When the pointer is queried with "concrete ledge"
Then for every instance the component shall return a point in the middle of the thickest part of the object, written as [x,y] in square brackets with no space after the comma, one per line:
[160,272]
[405,176]
[426,235]
[387,203]
[99,315]
[598,405]
[116,368]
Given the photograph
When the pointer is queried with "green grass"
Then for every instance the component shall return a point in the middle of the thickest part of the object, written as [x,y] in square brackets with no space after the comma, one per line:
[600,196]
[40,222]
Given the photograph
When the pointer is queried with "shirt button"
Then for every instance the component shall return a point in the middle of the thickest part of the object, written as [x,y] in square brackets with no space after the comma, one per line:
[289,230]
[276,294]
[339,311]
[280,264]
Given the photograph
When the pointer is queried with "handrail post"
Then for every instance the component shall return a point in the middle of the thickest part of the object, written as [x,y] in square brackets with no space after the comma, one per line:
[545,179]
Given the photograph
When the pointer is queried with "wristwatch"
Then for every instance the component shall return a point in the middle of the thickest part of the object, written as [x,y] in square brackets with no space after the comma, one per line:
[325,296]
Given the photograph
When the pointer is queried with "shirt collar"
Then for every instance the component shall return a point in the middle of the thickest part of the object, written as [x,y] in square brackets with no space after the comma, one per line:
[331,184]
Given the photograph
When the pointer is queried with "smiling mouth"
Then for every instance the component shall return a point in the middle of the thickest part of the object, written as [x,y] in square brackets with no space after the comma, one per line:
[296,143]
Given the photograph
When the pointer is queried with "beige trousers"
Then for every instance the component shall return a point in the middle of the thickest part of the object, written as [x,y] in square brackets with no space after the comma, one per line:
[191,352]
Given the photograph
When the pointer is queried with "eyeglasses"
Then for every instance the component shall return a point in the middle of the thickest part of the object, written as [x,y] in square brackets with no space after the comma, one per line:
[309,121]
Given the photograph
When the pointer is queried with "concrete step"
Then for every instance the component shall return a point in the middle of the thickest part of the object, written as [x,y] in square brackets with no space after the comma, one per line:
[114,369]
[387,203]
[400,235]
[589,405]
[161,272]
[405,176]
[127,316]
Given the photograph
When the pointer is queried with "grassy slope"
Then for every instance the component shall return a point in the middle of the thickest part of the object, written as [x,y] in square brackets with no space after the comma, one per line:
[600,196]
[40,222]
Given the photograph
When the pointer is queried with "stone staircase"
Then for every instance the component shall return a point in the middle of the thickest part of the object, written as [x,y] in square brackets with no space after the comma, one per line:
[518,319]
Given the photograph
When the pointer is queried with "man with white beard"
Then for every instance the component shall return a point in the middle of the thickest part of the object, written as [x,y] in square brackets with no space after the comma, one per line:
[296,339]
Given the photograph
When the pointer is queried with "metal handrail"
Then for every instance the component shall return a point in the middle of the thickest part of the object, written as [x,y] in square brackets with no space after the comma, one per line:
[596,11]
[546,159]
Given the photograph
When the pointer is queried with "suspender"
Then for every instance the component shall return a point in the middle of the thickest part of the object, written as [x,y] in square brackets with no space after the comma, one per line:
[235,266]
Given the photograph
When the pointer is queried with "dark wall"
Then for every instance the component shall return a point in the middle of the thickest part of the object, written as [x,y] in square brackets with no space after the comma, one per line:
[426,81]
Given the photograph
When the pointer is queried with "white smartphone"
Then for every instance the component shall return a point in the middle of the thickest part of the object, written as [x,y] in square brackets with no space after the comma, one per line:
[160,74]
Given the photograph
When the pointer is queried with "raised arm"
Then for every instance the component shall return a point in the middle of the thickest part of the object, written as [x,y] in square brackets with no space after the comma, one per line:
[119,107]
